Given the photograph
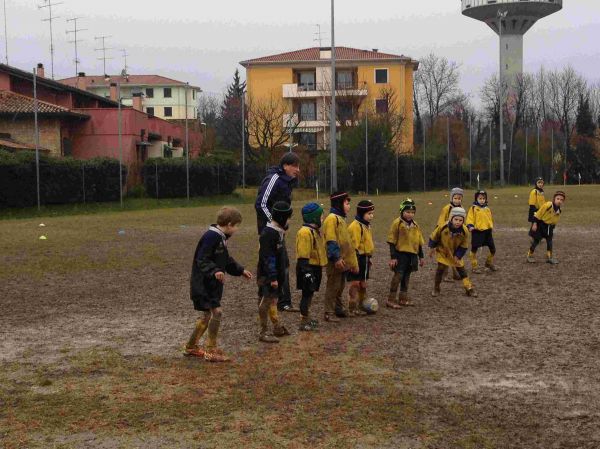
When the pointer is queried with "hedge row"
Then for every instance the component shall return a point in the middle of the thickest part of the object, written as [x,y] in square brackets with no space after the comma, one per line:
[166,178]
[61,180]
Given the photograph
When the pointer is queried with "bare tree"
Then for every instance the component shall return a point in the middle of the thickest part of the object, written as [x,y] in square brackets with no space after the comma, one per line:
[392,117]
[267,125]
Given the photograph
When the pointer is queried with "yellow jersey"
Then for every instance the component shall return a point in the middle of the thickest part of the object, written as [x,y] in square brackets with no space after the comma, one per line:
[536,198]
[547,214]
[406,238]
[362,238]
[336,230]
[479,218]
[310,245]
[449,244]
[445,214]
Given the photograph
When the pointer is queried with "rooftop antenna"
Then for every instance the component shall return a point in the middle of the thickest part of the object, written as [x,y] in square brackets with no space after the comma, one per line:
[74,31]
[103,49]
[125,67]
[5,33]
[48,4]
[319,35]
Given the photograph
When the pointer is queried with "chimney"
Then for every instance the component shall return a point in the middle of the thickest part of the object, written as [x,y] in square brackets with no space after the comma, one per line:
[137,101]
[375,50]
[81,74]
[113,92]
[40,70]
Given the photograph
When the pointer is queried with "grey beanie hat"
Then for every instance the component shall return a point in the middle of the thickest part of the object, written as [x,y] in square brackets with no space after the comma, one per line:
[458,212]
[456,191]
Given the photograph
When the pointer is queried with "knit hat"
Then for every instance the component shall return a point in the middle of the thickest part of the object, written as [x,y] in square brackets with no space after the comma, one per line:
[560,193]
[281,213]
[538,179]
[311,213]
[481,192]
[456,191]
[337,200]
[407,204]
[363,207]
[458,212]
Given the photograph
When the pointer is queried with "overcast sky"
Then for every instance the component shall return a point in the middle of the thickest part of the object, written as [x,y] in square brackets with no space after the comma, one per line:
[203,41]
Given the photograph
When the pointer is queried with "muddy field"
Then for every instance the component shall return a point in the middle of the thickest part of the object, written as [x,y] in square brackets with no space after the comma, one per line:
[83,317]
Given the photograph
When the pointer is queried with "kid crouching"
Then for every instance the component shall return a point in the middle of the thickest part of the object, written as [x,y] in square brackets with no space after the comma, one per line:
[211,262]
[456,198]
[449,244]
[311,258]
[362,242]
[272,265]
[480,223]
[545,220]
[406,253]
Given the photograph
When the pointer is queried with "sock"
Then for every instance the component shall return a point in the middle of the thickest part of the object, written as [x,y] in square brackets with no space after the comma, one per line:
[362,295]
[530,253]
[473,257]
[489,260]
[467,284]
[273,314]
[199,330]
[263,314]
[213,331]
[549,254]
[353,292]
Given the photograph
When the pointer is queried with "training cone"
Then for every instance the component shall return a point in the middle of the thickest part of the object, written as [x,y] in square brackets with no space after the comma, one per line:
[43,237]
[121,232]
[42,225]
[430,203]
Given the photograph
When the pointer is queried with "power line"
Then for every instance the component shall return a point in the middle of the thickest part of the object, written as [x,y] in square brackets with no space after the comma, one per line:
[103,49]
[48,4]
[74,31]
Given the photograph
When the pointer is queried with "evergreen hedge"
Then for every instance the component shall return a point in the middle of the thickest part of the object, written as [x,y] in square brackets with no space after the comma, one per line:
[208,176]
[61,180]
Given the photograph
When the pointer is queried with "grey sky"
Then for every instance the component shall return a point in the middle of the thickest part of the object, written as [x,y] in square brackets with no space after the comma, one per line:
[202,41]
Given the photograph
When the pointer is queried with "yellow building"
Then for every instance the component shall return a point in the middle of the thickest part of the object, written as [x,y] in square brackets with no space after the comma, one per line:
[299,84]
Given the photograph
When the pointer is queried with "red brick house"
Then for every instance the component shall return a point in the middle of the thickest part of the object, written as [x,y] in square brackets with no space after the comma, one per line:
[78,123]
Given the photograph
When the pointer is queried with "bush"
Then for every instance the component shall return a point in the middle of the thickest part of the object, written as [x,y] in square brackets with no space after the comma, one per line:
[61,180]
[208,176]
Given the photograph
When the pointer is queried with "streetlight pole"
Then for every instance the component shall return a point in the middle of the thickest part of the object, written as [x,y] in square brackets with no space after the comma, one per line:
[526,149]
[538,150]
[448,148]
[187,146]
[470,154]
[501,15]
[37,138]
[120,119]
[332,112]
[367,151]
[491,175]
[424,165]
[243,141]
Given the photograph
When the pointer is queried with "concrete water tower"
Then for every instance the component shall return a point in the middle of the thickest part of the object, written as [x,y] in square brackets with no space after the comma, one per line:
[516,18]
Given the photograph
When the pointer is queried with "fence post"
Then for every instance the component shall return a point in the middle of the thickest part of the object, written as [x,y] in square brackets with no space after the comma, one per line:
[156,177]
[83,180]
[218,180]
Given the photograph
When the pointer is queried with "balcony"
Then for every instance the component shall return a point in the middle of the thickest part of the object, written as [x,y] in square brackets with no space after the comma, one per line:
[307,123]
[319,90]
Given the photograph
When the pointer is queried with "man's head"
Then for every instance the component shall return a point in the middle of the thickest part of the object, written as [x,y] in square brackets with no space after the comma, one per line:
[229,220]
[457,217]
[456,196]
[365,209]
[281,213]
[340,201]
[481,197]
[408,209]
[539,183]
[312,214]
[559,198]
[290,163]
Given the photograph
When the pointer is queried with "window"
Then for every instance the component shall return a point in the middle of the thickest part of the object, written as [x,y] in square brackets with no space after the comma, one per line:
[344,80]
[150,111]
[193,94]
[345,110]
[168,111]
[307,81]
[308,111]
[149,92]
[167,92]
[381,106]
[309,140]
[381,76]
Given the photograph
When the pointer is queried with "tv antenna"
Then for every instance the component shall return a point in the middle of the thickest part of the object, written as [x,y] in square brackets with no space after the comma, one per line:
[103,49]
[319,35]
[48,4]
[74,31]
[125,67]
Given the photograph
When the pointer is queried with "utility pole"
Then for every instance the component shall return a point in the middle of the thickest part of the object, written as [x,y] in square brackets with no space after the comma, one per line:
[48,4]
[37,138]
[448,149]
[367,151]
[526,149]
[74,31]
[103,49]
[538,150]
[501,15]
[243,110]
[332,112]
[424,164]
[470,154]
[187,146]
[5,33]
[491,175]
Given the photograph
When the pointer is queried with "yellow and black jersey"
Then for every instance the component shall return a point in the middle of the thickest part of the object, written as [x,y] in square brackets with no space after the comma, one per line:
[337,240]
[479,218]
[449,243]
[362,238]
[536,200]
[406,237]
[310,246]
[547,214]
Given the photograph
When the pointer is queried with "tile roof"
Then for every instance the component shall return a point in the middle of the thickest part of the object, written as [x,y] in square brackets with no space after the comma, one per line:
[14,145]
[83,82]
[13,103]
[314,54]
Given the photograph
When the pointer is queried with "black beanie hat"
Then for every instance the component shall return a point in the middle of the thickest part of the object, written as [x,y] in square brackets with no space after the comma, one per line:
[337,200]
[281,213]
[363,207]
[481,192]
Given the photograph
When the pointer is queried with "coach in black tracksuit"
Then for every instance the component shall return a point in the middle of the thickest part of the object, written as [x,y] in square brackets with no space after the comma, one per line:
[278,186]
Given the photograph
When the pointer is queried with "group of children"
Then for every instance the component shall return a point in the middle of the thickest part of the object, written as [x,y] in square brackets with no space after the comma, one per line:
[345,251]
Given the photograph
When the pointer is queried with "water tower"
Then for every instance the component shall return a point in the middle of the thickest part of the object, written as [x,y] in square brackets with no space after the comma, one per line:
[517,17]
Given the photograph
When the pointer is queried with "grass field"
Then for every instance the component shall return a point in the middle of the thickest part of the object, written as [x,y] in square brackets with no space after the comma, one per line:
[93,319]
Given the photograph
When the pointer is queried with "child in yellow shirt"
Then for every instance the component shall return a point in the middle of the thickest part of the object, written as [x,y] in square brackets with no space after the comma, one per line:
[536,198]
[456,198]
[546,219]
[480,223]
[362,241]
[406,253]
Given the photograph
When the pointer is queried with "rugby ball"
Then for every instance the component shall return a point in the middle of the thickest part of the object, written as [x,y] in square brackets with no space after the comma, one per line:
[370,305]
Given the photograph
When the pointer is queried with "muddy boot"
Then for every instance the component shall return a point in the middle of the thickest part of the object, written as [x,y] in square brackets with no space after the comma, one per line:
[404,300]
[280,331]
[437,282]
[474,264]
[552,261]
[305,324]
[331,318]
[266,338]
[489,263]
[263,313]
[391,301]
[471,293]
[469,290]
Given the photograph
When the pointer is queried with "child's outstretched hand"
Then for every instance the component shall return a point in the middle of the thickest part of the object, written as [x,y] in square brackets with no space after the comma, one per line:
[220,276]
[393,263]
[534,227]
[421,262]
[247,274]
[274,284]
[456,260]
[340,265]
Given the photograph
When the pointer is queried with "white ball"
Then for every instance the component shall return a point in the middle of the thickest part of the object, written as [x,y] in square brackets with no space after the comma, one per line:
[370,305]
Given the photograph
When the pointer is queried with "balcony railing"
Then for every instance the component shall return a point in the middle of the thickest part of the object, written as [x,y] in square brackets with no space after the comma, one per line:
[466,4]
[310,90]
